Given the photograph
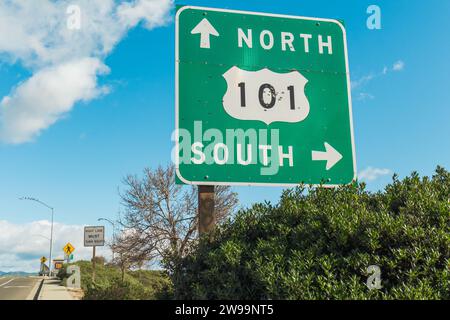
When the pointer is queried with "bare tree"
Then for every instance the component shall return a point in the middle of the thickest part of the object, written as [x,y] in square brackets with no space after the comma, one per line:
[160,218]
[127,254]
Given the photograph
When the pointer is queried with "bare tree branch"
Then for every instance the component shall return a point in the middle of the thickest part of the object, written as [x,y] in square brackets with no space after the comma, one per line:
[160,217]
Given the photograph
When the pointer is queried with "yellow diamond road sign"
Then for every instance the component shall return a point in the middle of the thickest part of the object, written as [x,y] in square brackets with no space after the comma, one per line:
[69,248]
[43,259]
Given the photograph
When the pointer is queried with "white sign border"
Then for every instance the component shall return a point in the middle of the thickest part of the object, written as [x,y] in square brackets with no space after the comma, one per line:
[256,184]
[84,236]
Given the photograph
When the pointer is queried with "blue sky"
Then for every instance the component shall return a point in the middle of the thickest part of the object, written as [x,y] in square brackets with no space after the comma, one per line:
[401,114]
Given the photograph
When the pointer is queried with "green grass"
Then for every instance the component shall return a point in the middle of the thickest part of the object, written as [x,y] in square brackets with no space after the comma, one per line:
[108,285]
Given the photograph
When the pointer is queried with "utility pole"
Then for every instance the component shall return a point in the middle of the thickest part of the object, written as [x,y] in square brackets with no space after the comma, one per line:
[206,212]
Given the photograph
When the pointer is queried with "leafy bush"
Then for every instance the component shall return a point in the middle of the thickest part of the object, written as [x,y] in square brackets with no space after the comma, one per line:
[317,243]
[115,289]
[99,260]
[108,285]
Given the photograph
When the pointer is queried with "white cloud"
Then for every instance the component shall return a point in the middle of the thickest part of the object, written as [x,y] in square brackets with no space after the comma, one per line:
[372,174]
[362,96]
[47,96]
[398,66]
[364,80]
[21,245]
[152,12]
[35,34]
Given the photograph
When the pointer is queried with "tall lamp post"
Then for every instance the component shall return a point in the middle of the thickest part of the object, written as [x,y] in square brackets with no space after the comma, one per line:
[51,232]
[113,233]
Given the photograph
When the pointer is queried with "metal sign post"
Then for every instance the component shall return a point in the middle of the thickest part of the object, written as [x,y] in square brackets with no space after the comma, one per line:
[93,264]
[94,236]
[206,212]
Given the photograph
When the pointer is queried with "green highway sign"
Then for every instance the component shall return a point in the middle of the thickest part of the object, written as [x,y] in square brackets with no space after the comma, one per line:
[262,99]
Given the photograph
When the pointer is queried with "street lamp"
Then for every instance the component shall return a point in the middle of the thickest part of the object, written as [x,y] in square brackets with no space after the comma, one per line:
[51,232]
[113,235]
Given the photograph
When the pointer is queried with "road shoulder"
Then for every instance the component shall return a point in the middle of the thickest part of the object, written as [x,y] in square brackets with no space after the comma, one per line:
[53,290]
[35,291]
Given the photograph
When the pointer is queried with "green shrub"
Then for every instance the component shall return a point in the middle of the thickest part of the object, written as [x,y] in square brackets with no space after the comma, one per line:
[115,289]
[108,285]
[317,244]
[99,260]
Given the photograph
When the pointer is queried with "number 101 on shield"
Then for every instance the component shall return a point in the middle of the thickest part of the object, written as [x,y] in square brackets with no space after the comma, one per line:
[265,95]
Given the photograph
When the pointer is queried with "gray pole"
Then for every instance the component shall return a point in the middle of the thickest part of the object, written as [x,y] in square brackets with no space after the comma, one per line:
[113,241]
[51,232]
[51,245]
[93,264]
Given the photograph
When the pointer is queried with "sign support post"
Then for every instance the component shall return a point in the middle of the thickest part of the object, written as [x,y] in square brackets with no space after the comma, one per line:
[206,213]
[94,236]
[93,264]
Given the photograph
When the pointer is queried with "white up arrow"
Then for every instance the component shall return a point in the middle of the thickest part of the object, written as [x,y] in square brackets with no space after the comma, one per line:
[331,156]
[206,30]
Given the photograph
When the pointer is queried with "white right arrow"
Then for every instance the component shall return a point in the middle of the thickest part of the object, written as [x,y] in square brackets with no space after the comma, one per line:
[331,156]
[206,30]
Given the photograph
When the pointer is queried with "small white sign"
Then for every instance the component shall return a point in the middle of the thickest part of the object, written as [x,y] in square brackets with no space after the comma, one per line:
[94,236]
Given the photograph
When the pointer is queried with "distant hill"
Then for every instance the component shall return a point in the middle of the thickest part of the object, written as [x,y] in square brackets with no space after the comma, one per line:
[17,274]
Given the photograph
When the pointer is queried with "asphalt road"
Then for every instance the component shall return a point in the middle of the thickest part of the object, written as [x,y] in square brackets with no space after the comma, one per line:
[16,288]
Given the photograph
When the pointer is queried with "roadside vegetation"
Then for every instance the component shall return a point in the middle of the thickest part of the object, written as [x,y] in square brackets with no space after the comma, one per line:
[315,243]
[109,285]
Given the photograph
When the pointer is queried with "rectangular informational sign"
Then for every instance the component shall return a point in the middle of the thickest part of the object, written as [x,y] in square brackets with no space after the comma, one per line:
[58,263]
[262,99]
[94,236]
